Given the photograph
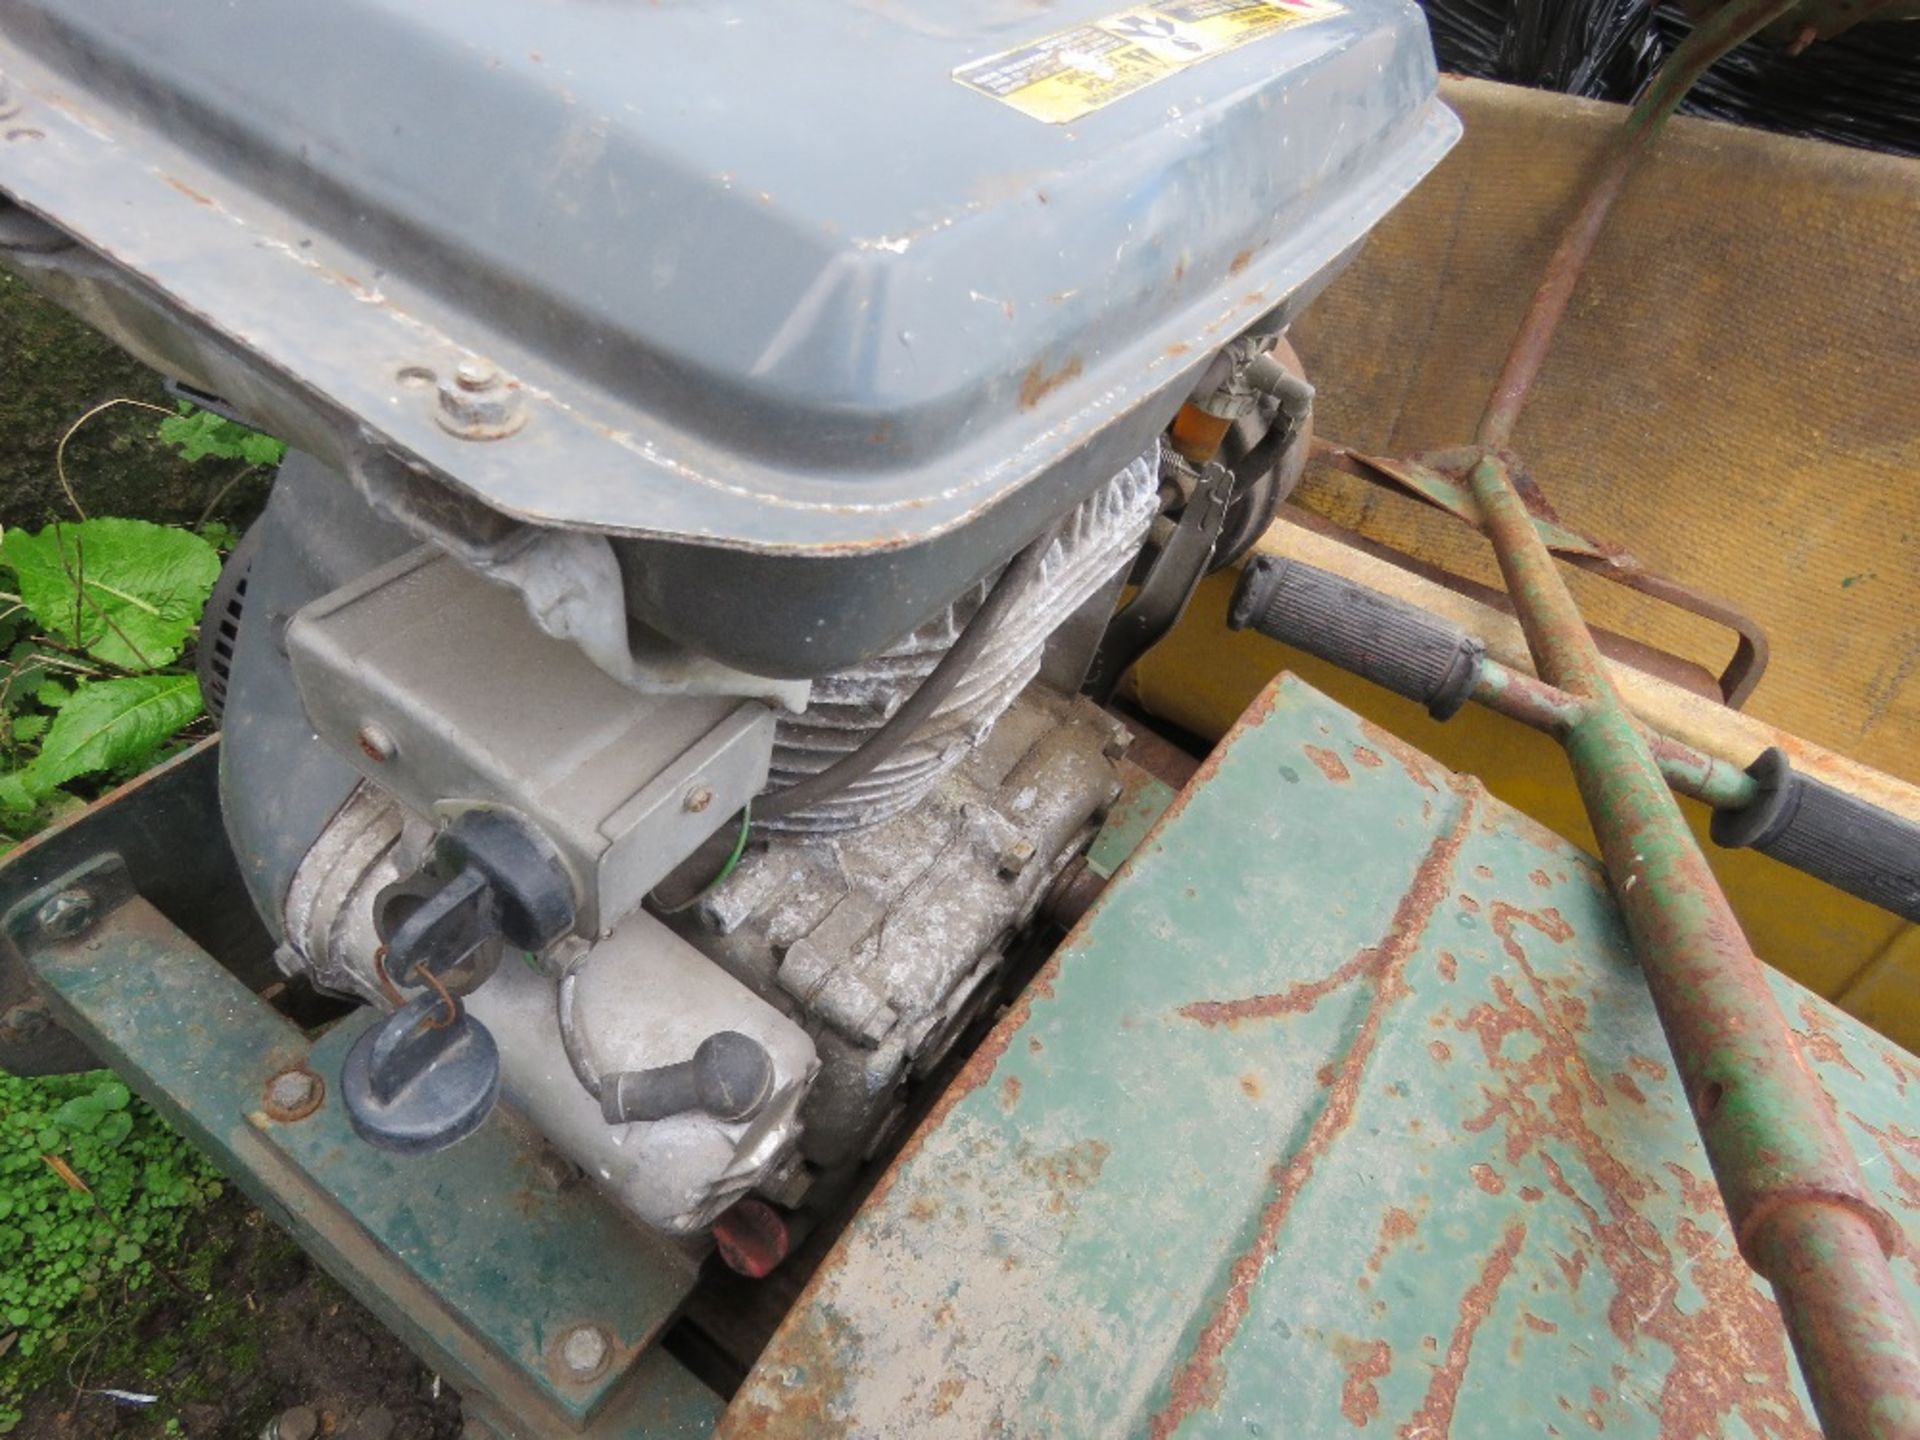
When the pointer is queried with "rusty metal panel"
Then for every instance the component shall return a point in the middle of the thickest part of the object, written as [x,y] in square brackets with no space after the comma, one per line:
[1345,1109]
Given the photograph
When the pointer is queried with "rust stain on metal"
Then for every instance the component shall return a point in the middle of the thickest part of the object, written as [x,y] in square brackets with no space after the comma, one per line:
[1370,758]
[1534,1322]
[1250,1085]
[1039,382]
[1197,1383]
[1364,1364]
[1648,1067]
[1626,1086]
[1240,262]
[1435,1415]
[1440,1050]
[1572,1268]
[823,1349]
[1894,1142]
[1329,764]
[1696,1194]
[198,197]
[1818,1042]
[1730,1357]
[948,1391]
[1489,1179]
[1448,966]
[1396,1226]
[1422,771]
[1009,1092]
[1066,1172]
[1541,878]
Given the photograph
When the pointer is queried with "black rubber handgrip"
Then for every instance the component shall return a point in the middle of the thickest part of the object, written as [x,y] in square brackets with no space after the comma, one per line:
[1854,846]
[1376,636]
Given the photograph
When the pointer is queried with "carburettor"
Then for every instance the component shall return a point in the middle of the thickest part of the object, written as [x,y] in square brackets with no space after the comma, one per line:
[665,677]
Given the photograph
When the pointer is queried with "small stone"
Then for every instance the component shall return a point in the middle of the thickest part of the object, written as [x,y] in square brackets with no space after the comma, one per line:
[302,1422]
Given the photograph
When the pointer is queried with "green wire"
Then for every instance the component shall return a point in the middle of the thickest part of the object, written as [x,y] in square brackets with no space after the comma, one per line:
[739,849]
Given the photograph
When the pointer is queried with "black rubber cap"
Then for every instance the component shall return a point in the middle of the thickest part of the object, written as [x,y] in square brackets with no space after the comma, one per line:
[1375,636]
[412,1088]
[1857,847]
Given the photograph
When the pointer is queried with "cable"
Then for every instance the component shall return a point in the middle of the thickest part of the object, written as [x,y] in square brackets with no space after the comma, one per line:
[921,704]
[570,1040]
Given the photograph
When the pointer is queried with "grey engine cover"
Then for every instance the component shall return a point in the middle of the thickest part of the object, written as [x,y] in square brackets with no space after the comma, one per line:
[791,281]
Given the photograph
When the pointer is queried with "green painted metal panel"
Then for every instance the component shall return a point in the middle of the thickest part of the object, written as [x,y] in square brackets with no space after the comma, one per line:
[1141,803]
[478,1257]
[1345,1111]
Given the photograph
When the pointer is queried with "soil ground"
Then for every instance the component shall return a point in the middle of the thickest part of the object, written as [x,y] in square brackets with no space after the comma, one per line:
[53,370]
[270,1332]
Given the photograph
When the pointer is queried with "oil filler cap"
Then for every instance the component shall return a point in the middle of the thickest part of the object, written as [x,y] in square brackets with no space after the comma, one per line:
[425,1077]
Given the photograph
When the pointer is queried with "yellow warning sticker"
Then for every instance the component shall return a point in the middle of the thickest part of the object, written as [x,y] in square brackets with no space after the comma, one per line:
[1077,71]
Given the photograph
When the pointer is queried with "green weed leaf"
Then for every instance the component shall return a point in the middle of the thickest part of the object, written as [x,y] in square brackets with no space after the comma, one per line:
[79,1114]
[198,434]
[126,591]
[114,1127]
[112,724]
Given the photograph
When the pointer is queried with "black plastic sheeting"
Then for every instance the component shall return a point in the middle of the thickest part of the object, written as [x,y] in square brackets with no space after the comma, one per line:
[1861,88]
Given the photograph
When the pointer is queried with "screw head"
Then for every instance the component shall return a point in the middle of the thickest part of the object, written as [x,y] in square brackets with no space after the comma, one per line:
[66,914]
[294,1094]
[376,743]
[698,799]
[584,1350]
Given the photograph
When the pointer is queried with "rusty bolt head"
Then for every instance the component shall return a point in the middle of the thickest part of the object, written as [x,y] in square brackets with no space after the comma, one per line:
[1015,858]
[376,743]
[698,799]
[26,1020]
[584,1351]
[66,914]
[294,1094]
[478,403]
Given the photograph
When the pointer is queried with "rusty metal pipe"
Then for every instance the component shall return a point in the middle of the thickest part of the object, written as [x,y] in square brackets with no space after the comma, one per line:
[1769,1131]
[1710,39]
[1546,708]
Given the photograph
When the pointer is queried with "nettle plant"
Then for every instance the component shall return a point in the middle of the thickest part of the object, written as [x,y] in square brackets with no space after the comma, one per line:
[95,616]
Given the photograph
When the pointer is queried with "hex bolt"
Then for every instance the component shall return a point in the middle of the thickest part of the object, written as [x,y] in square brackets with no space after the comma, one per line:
[477,402]
[294,1093]
[376,743]
[66,914]
[698,799]
[584,1350]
